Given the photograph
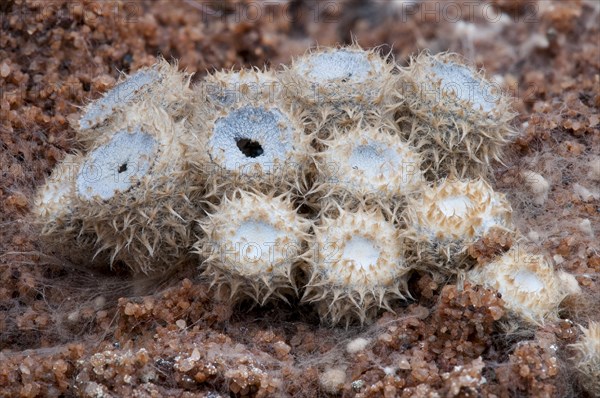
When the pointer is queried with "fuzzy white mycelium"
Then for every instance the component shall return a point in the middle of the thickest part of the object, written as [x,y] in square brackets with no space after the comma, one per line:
[313,178]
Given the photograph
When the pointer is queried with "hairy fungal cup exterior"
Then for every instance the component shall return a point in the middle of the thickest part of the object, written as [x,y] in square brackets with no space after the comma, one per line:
[53,217]
[225,88]
[53,200]
[132,191]
[253,242]
[158,153]
[529,285]
[458,120]
[446,218]
[252,144]
[355,266]
[366,163]
[339,85]
[162,85]
[587,358]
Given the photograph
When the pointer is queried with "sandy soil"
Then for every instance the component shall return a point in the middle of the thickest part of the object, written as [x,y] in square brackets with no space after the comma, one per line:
[66,331]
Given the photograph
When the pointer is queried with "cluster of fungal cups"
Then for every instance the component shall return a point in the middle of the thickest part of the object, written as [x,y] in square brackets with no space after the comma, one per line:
[331,179]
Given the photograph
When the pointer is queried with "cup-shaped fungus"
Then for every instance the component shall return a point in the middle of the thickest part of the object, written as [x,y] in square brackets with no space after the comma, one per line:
[587,358]
[339,86]
[252,245]
[367,164]
[459,121]
[162,85]
[355,266]
[252,144]
[445,219]
[59,233]
[528,283]
[225,88]
[131,193]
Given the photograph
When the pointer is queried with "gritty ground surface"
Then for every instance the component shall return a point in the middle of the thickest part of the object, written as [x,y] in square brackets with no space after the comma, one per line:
[66,331]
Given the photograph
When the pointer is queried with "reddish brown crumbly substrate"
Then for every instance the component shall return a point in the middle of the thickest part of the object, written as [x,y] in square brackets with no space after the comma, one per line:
[54,58]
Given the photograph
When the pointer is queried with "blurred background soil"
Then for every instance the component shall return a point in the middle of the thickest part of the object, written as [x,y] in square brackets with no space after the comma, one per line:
[65,331]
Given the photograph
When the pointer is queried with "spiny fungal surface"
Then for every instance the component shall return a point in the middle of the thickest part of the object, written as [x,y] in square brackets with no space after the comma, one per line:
[225,88]
[367,162]
[528,283]
[312,176]
[339,86]
[355,265]
[459,120]
[252,244]
[587,358]
[251,144]
[444,219]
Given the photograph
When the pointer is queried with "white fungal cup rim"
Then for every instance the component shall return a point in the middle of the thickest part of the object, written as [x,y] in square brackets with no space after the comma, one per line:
[121,94]
[118,165]
[252,136]
[345,65]
[462,82]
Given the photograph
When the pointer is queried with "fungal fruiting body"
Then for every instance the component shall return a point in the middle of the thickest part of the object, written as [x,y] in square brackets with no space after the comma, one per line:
[131,193]
[162,85]
[53,216]
[366,163]
[355,266]
[528,283]
[53,200]
[587,358]
[253,144]
[253,243]
[458,120]
[339,85]
[446,218]
[157,153]
[225,88]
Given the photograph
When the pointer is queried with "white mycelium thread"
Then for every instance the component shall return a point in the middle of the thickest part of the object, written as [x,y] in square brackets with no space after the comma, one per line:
[121,94]
[252,136]
[115,166]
